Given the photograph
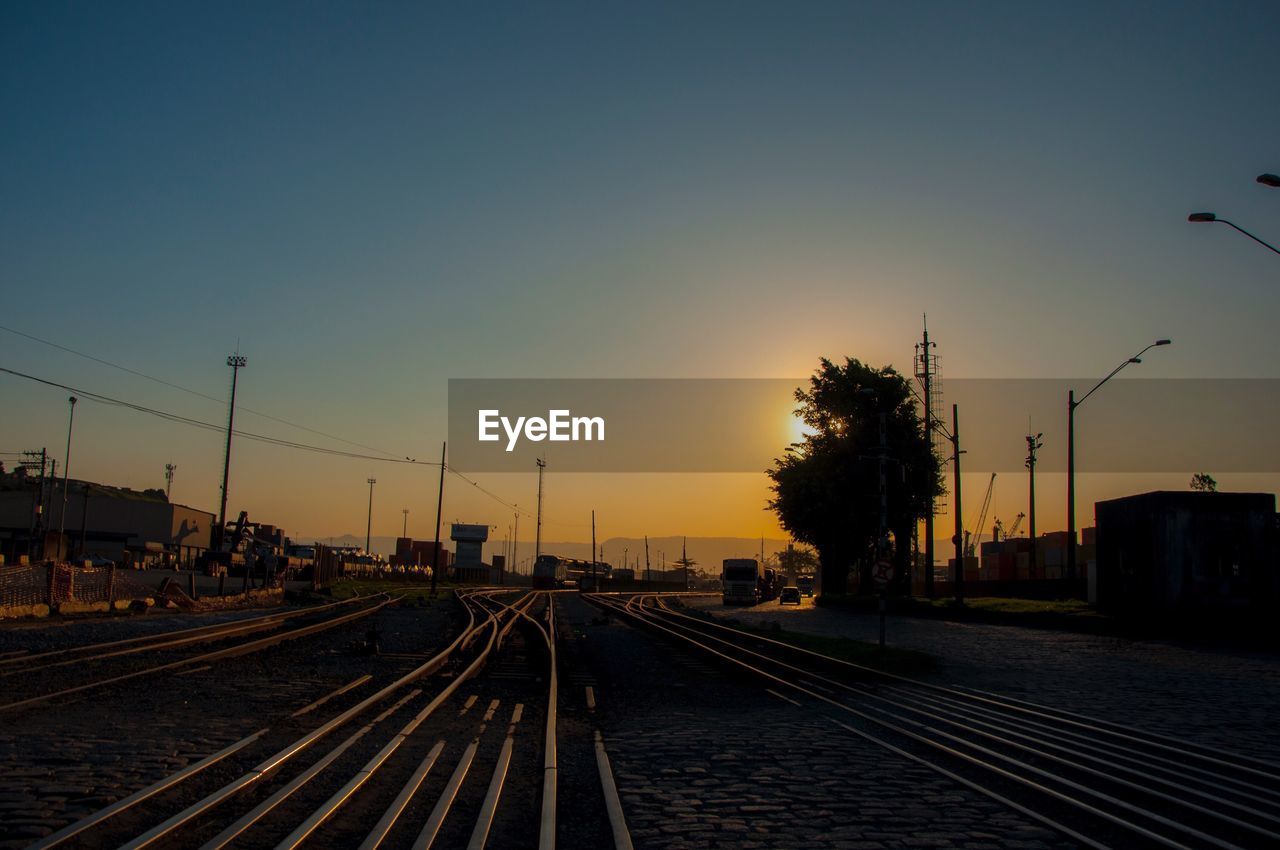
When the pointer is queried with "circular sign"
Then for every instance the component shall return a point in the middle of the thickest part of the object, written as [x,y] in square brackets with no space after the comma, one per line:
[882,574]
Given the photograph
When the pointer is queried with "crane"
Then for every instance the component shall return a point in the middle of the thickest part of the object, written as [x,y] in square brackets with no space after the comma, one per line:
[969,547]
[999,532]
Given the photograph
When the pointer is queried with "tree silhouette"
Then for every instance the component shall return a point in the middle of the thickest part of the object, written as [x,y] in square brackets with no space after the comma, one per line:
[1204,482]
[826,487]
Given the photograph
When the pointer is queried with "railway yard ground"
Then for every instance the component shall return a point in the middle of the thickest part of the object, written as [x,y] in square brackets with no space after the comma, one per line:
[515,718]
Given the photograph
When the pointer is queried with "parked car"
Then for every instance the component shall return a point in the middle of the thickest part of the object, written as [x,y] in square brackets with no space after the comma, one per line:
[789,596]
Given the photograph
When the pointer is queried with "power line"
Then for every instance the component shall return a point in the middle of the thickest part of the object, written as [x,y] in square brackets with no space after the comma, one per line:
[275,441]
[209,426]
[190,391]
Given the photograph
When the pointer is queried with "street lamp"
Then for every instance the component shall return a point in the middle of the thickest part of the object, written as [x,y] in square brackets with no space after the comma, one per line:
[1208,217]
[1072,404]
[1272,180]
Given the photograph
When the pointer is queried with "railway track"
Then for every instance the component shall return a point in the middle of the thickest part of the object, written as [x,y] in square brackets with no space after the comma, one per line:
[61,674]
[1100,784]
[451,754]
[20,662]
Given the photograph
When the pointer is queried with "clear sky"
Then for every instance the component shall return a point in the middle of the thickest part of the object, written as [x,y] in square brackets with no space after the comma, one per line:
[373,198]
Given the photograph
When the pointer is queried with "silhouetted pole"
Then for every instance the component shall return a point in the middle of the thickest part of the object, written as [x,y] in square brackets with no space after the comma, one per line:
[435,553]
[537,539]
[368,529]
[927,371]
[404,532]
[595,586]
[236,362]
[684,556]
[515,541]
[1033,445]
[958,539]
[647,575]
[66,475]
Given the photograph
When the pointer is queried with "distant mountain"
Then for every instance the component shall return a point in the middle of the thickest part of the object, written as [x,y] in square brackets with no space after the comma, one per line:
[707,551]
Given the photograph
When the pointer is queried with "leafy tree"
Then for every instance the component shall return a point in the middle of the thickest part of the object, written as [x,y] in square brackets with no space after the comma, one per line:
[796,560]
[826,487]
[1204,482]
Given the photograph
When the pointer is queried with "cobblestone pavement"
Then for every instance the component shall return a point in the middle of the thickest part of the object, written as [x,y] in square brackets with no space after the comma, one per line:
[706,760]
[59,762]
[1211,696]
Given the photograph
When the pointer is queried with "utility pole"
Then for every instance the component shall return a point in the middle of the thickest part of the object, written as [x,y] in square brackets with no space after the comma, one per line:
[595,585]
[368,529]
[1033,445]
[515,541]
[435,552]
[66,473]
[647,575]
[958,539]
[925,373]
[84,519]
[37,502]
[537,543]
[404,532]
[236,362]
[169,469]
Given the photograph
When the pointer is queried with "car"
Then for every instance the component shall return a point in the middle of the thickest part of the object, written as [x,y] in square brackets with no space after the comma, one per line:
[789,596]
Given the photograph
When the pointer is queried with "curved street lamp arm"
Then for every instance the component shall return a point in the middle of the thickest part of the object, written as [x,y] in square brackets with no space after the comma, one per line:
[1251,236]
[1113,372]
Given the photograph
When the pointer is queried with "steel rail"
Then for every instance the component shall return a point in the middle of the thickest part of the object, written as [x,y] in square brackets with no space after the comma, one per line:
[340,797]
[216,655]
[612,803]
[1076,786]
[388,820]
[1183,750]
[1081,746]
[489,807]
[650,619]
[179,637]
[72,830]
[550,769]
[1203,810]
[274,762]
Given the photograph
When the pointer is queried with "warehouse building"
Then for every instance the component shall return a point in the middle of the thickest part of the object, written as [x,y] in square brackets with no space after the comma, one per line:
[1179,553]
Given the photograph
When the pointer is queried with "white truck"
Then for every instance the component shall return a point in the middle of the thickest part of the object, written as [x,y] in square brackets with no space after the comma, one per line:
[740,580]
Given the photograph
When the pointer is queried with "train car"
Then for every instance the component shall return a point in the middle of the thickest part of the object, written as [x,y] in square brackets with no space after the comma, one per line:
[552,571]
[740,579]
[549,572]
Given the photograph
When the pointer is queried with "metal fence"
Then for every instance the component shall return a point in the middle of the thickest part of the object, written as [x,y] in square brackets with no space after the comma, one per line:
[36,584]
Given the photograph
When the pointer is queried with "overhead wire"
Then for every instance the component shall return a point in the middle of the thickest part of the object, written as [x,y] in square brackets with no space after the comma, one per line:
[190,391]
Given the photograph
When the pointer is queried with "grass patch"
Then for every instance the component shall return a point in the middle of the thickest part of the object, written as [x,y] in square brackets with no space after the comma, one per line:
[890,660]
[1001,605]
[350,587]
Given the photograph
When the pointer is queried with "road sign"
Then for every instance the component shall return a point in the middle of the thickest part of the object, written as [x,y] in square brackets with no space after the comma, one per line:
[882,574]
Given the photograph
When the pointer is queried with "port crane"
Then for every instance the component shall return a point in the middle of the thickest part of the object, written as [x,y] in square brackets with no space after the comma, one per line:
[969,546]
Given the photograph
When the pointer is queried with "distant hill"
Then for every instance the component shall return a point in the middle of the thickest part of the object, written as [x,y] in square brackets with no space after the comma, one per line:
[707,551]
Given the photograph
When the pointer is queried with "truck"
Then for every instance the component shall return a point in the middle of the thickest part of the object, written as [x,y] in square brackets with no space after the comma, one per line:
[740,579]
[805,583]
